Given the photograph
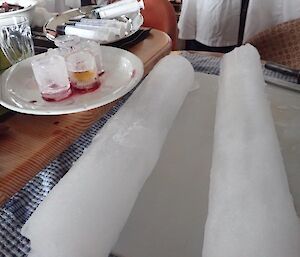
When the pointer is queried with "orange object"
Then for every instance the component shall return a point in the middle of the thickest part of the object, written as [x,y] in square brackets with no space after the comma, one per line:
[160,14]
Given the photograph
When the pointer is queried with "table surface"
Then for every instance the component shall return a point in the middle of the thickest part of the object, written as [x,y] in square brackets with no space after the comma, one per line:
[31,142]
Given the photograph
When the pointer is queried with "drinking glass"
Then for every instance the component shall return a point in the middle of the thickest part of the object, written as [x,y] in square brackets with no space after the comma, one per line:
[15,38]
[51,76]
[83,71]
[68,44]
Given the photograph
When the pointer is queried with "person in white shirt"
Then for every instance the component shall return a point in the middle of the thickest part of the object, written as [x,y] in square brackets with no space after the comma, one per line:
[216,23]
[263,14]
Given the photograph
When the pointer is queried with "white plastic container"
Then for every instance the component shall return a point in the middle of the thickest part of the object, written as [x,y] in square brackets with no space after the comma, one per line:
[27,11]
[87,33]
[120,31]
[119,10]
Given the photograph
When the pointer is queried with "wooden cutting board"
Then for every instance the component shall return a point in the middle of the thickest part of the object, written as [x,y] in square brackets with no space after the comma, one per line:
[31,142]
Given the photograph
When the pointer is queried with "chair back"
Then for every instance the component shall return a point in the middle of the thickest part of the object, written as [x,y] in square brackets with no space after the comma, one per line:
[280,44]
[160,14]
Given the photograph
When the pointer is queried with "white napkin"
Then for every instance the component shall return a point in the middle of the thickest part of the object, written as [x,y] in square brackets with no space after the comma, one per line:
[85,212]
[251,211]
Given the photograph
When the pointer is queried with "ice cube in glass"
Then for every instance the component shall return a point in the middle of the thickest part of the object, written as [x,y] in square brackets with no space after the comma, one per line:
[83,71]
[95,49]
[51,76]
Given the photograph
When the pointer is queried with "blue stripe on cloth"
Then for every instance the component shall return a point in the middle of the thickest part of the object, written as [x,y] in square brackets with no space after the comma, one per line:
[18,209]
[211,65]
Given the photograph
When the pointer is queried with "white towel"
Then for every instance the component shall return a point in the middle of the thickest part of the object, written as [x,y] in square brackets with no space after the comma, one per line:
[85,212]
[251,211]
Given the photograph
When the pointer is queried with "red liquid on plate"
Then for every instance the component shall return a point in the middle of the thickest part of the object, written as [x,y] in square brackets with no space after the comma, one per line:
[89,88]
[55,93]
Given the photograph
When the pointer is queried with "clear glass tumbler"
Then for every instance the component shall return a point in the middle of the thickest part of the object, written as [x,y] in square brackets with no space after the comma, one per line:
[83,71]
[68,44]
[95,49]
[15,38]
[51,75]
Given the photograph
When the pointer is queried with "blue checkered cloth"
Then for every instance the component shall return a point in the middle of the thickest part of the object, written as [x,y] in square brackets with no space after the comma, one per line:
[18,209]
[211,65]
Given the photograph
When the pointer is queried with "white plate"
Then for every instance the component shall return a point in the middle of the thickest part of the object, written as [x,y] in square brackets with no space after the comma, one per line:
[19,91]
[50,26]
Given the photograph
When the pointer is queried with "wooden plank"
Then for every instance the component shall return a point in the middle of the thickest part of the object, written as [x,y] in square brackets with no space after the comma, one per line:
[33,141]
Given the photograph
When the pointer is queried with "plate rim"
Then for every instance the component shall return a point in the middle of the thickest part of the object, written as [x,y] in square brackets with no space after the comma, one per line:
[120,93]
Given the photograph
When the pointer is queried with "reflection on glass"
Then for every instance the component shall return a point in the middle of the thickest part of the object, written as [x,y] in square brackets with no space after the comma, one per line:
[15,39]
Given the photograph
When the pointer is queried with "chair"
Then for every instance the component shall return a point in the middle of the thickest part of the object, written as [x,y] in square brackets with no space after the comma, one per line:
[280,44]
[160,14]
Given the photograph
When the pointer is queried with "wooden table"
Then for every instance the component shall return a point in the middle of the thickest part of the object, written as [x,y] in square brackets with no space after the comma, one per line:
[33,141]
